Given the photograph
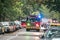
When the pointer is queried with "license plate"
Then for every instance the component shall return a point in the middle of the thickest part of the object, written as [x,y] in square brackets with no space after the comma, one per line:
[32,27]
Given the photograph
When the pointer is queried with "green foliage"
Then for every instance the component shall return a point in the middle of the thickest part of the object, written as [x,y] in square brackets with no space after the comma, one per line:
[48,14]
[14,9]
[53,5]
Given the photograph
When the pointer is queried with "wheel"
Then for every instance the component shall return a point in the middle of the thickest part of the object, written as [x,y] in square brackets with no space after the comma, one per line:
[27,30]
[7,31]
[3,33]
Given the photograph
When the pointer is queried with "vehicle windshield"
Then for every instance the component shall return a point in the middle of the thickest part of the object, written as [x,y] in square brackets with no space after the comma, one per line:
[5,23]
[33,20]
[11,23]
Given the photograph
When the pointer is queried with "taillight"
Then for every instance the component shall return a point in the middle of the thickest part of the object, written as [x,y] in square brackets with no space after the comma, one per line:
[37,24]
[23,24]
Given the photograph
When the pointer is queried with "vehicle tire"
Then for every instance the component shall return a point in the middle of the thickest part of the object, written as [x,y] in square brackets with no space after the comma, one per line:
[27,30]
[3,33]
[8,30]
[17,29]
[42,37]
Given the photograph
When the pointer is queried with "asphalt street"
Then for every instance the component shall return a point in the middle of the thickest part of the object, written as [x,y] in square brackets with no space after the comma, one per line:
[21,34]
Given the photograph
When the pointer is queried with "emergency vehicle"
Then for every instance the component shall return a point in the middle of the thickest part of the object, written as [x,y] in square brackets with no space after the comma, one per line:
[33,23]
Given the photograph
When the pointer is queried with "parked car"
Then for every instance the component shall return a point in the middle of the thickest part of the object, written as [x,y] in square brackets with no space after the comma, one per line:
[44,27]
[6,26]
[12,26]
[52,34]
[18,24]
[2,29]
[23,24]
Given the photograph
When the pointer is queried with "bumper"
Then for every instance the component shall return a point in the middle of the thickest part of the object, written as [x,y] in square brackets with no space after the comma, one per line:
[33,28]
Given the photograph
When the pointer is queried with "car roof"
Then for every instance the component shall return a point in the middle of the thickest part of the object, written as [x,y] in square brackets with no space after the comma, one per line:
[5,23]
[57,28]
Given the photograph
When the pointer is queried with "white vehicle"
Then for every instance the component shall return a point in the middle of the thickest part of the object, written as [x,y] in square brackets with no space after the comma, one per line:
[52,34]
[6,25]
[18,24]
[45,24]
[44,27]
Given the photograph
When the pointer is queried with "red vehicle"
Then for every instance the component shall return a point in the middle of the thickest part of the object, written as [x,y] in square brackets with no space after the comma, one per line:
[23,24]
[31,23]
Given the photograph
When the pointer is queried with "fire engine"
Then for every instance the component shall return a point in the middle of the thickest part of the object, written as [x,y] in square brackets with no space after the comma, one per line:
[32,23]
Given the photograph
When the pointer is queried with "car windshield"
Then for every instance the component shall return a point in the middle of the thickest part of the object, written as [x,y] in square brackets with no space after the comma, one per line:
[5,23]
[11,23]
[17,22]
[32,19]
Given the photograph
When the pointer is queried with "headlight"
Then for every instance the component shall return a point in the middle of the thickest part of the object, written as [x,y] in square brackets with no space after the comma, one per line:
[28,24]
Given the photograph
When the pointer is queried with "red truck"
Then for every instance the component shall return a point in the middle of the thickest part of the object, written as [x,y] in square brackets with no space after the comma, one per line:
[31,23]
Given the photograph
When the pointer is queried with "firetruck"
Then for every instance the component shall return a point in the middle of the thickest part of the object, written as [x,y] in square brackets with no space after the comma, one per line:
[32,23]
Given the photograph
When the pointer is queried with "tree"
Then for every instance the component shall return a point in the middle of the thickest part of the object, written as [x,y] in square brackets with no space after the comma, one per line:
[53,5]
[14,9]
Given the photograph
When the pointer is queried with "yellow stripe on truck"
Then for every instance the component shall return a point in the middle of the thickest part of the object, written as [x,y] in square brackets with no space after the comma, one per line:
[33,27]
[58,24]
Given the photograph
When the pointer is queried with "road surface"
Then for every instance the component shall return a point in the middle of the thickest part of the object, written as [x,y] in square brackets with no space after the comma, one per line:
[21,34]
